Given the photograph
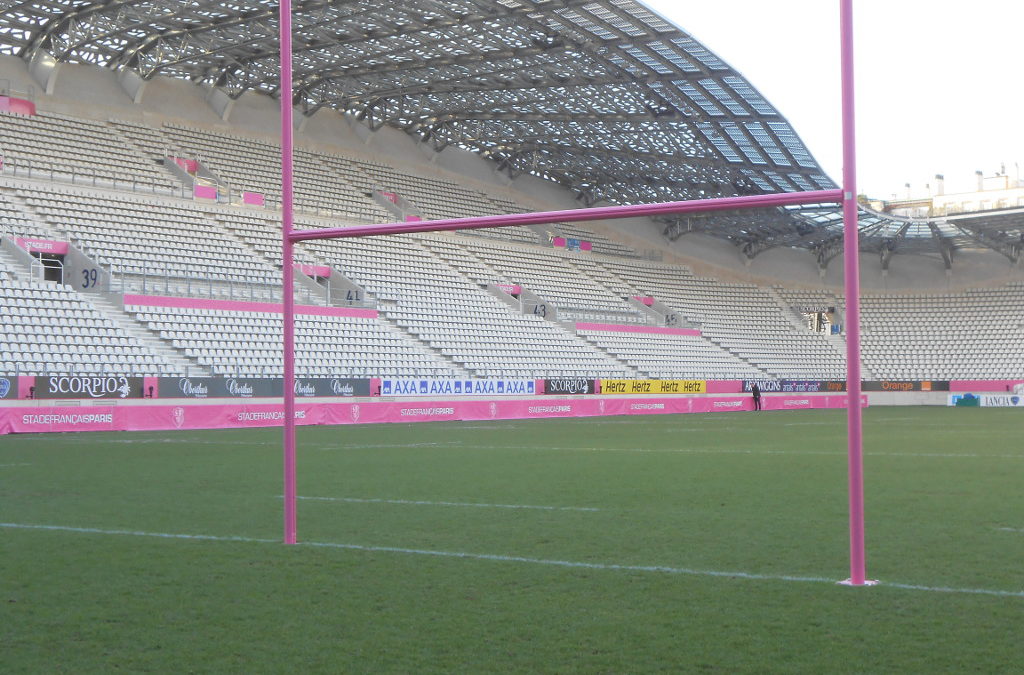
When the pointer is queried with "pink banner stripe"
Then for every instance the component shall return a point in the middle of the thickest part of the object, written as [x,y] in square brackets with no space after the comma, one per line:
[983,385]
[240,306]
[17,106]
[315,270]
[43,245]
[25,384]
[205,192]
[725,386]
[255,198]
[240,415]
[624,328]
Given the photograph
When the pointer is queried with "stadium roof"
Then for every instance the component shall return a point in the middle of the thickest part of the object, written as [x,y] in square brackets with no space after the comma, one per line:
[602,96]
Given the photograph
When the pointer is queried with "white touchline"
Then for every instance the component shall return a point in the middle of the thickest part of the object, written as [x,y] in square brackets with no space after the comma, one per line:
[412,502]
[22,464]
[1010,529]
[720,451]
[613,567]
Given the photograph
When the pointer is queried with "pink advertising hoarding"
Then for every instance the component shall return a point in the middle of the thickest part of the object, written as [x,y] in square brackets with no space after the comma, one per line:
[983,385]
[242,415]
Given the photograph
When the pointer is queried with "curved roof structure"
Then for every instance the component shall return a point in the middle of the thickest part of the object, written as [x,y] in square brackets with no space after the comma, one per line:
[602,96]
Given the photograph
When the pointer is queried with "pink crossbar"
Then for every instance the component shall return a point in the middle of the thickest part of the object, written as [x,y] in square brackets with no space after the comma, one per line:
[847,196]
[575,215]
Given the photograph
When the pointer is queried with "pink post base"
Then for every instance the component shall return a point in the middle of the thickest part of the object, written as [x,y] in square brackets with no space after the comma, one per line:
[866,582]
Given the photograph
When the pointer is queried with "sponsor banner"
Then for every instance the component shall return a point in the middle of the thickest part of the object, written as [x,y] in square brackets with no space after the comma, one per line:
[906,385]
[964,400]
[43,246]
[654,386]
[8,387]
[218,387]
[254,198]
[1001,401]
[452,387]
[99,386]
[242,414]
[569,386]
[511,289]
[334,386]
[794,386]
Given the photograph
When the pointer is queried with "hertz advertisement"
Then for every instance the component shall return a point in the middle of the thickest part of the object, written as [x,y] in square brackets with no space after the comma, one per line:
[654,386]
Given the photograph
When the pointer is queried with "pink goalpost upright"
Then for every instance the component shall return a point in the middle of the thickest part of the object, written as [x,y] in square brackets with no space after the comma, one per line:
[847,196]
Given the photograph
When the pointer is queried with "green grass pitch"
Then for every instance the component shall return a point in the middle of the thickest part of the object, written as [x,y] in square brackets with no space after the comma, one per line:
[690,543]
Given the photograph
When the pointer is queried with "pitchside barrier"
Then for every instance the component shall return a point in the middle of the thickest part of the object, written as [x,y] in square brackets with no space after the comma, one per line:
[122,387]
[193,414]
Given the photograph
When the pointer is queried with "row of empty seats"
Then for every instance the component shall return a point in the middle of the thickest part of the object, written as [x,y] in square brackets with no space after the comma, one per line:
[242,343]
[49,328]
[437,316]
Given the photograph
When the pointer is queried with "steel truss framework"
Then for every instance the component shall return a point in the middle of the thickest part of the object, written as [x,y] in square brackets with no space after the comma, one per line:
[601,96]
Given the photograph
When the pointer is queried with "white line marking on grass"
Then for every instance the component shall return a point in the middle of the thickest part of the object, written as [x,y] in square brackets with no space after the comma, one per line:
[721,451]
[136,533]
[374,446]
[1010,529]
[413,502]
[21,464]
[612,567]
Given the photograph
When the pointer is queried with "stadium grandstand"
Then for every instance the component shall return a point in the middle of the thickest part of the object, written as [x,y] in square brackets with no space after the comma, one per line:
[523,449]
[140,205]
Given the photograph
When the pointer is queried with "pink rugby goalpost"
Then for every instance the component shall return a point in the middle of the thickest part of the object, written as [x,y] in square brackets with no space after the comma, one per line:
[847,196]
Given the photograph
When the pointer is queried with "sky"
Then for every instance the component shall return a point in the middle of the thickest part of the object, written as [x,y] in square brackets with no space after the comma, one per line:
[940,85]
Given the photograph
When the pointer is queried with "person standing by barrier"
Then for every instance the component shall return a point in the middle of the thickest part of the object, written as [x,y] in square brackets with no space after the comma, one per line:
[755,391]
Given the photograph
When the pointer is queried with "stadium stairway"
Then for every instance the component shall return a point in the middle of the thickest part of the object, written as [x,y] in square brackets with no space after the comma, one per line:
[151,144]
[28,222]
[796,320]
[14,268]
[146,337]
